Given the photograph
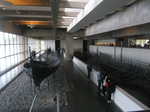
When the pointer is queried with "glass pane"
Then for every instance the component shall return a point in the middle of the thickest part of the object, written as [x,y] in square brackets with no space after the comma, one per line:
[2,51]
[21,39]
[16,59]
[17,39]
[14,37]
[11,38]
[11,50]
[6,38]
[11,61]
[2,65]
[1,38]
[7,50]
[7,61]
[20,48]
[22,56]
[15,49]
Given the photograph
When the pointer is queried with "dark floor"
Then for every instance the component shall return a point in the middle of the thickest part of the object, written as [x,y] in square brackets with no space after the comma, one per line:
[83,96]
[18,96]
[76,94]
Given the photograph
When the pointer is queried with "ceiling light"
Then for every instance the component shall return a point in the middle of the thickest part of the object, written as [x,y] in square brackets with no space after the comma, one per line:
[31,26]
[75,38]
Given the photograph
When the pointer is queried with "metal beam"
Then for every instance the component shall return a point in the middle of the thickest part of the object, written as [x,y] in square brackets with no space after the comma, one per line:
[134,15]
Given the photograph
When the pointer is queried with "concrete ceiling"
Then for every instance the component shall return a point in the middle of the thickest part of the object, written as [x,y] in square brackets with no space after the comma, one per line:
[59,13]
[71,14]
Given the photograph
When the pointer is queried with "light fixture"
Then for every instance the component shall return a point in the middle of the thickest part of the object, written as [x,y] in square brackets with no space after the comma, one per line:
[31,26]
[75,38]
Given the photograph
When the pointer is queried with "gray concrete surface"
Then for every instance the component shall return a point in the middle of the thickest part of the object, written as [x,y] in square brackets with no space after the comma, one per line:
[137,14]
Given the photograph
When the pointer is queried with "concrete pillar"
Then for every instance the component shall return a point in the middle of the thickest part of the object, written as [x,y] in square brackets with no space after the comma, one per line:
[69,47]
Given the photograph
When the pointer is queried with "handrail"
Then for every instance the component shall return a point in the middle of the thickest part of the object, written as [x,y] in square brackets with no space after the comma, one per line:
[122,46]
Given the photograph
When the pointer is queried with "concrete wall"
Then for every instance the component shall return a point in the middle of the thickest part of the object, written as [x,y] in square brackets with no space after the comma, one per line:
[132,55]
[66,38]
[83,67]
[61,34]
[71,45]
[9,27]
[134,15]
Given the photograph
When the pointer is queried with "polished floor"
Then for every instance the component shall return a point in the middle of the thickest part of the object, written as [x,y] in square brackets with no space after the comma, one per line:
[76,94]
[83,96]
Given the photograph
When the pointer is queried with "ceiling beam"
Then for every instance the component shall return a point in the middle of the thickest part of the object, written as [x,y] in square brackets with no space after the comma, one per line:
[66,19]
[14,12]
[45,13]
[68,14]
[71,4]
[26,8]
[47,3]
[45,26]
[27,16]
[23,22]
[50,26]
[35,8]
[33,17]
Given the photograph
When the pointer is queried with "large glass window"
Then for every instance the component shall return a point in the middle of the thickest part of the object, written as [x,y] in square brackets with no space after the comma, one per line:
[14,49]
[11,50]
